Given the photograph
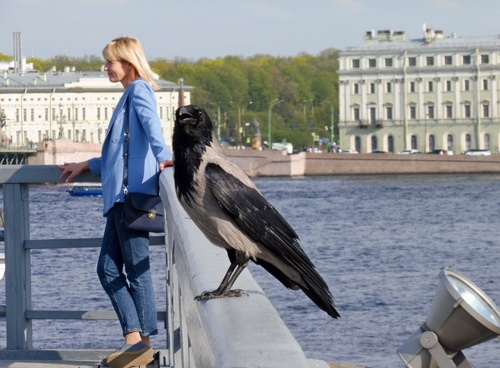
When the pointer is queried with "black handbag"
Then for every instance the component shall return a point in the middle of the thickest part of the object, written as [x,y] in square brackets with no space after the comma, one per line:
[141,212]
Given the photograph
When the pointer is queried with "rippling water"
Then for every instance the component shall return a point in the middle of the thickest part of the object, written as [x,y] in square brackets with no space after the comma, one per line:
[379,241]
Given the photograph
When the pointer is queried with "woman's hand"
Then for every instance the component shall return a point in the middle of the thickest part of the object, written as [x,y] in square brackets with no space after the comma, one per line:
[165,164]
[73,169]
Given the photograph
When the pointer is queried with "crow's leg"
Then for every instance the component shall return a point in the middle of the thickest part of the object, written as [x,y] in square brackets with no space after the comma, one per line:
[225,286]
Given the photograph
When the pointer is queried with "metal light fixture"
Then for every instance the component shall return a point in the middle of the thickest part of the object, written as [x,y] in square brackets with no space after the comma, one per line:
[461,316]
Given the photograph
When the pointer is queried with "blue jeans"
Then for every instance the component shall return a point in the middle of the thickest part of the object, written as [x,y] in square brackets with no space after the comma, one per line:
[124,271]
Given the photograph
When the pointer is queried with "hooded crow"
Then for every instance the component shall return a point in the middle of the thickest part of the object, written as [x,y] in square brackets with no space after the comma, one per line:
[229,209]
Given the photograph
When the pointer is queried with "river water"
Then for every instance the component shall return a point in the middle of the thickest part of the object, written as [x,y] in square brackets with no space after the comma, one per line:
[379,241]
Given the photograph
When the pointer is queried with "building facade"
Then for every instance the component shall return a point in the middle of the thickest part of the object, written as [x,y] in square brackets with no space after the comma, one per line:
[431,93]
[37,107]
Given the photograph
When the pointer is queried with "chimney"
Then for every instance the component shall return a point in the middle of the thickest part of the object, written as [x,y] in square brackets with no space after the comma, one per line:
[181,92]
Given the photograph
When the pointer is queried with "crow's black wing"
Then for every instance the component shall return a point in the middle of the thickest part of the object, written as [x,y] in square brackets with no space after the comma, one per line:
[255,216]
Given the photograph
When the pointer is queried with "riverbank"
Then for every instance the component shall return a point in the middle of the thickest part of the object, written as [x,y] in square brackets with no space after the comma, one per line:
[278,163]
[274,163]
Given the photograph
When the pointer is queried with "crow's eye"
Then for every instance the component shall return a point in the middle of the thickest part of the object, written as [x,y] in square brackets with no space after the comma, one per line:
[200,113]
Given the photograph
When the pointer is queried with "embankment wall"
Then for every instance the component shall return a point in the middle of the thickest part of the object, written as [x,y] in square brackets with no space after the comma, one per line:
[279,163]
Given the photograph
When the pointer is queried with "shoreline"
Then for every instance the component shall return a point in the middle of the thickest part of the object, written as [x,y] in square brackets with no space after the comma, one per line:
[268,163]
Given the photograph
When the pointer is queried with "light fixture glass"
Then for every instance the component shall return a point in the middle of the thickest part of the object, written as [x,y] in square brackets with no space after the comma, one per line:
[461,316]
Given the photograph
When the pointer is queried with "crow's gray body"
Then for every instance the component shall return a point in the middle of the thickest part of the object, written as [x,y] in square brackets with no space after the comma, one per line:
[228,208]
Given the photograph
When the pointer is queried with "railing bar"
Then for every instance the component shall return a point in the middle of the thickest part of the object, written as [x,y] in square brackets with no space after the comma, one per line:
[154,240]
[79,314]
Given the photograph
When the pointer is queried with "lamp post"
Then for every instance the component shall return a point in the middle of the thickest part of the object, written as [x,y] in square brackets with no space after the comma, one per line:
[181,92]
[218,118]
[241,112]
[61,119]
[271,105]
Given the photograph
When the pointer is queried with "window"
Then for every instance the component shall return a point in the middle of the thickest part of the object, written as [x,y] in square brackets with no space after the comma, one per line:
[429,60]
[76,113]
[485,84]
[487,141]
[373,115]
[374,143]
[357,143]
[356,88]
[448,60]
[412,61]
[355,63]
[467,85]
[355,112]
[412,86]
[414,142]
[84,113]
[388,87]
[390,143]
[413,112]
[372,87]
[388,62]
[432,142]
[430,111]
[448,86]
[449,111]
[98,113]
[388,112]
[466,59]
[32,114]
[105,113]
[46,114]
[372,63]
[468,142]
[449,141]
[430,86]
[467,111]
[486,110]
[485,59]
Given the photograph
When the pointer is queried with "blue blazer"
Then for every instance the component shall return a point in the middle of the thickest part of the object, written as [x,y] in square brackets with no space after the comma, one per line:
[147,147]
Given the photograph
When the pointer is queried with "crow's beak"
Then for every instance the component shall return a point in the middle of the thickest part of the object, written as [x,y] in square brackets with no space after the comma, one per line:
[185,117]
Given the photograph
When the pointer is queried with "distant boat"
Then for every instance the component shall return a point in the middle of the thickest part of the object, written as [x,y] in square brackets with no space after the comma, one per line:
[85,190]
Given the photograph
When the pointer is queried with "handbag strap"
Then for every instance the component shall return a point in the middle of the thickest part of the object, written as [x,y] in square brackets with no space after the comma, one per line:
[126,145]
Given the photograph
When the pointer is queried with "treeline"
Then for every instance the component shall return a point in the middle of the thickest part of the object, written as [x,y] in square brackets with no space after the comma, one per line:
[301,92]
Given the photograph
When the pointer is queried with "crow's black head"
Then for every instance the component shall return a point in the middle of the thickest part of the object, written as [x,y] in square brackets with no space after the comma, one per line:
[193,121]
[192,135]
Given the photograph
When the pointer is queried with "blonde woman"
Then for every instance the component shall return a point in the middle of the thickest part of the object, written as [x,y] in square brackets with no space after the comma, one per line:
[123,266]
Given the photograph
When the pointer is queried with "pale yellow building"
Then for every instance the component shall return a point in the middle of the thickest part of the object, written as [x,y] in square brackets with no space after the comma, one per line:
[36,107]
[435,92]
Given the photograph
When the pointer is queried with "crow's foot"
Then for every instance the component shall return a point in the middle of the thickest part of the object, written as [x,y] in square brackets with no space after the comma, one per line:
[206,295]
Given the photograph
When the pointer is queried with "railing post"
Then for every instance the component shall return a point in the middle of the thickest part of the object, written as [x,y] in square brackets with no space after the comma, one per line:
[18,269]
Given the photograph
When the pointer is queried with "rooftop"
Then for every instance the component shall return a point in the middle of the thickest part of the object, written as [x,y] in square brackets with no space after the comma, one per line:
[67,79]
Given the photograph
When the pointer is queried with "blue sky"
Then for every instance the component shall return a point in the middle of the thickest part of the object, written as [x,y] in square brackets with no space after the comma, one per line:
[195,29]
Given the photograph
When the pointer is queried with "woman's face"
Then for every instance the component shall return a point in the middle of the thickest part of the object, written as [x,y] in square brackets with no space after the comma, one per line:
[119,71]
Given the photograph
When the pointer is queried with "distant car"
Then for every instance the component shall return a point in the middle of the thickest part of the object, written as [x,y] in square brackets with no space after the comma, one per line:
[440,152]
[349,151]
[409,152]
[379,151]
[477,152]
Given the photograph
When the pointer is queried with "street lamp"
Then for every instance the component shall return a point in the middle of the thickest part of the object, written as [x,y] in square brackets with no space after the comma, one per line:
[218,118]
[271,105]
[62,120]
[181,92]
[241,111]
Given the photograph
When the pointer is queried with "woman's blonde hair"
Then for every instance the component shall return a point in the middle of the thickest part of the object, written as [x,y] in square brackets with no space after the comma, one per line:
[129,49]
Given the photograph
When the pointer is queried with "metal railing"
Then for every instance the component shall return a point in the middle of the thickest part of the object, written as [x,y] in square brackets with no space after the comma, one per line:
[228,332]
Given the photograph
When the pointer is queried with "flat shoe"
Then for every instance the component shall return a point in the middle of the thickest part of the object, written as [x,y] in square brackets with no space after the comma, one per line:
[130,355]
